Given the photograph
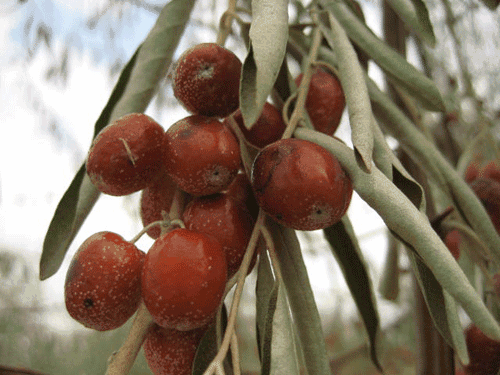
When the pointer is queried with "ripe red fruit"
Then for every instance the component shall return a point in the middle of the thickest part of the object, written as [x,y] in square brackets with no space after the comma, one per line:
[102,288]
[267,129]
[452,240]
[125,157]
[300,184]
[472,172]
[156,198]
[183,279]
[241,191]
[206,80]
[325,101]
[228,221]
[201,155]
[491,170]
[171,352]
[488,191]
[484,353]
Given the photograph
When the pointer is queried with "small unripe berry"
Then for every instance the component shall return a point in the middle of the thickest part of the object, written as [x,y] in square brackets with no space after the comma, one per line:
[125,156]
[201,155]
[325,101]
[206,80]
[300,184]
[103,284]
[183,279]
[171,352]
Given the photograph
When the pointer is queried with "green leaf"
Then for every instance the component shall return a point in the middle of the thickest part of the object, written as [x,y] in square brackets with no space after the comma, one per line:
[415,15]
[345,248]
[304,310]
[404,219]
[397,69]
[268,39]
[275,331]
[132,93]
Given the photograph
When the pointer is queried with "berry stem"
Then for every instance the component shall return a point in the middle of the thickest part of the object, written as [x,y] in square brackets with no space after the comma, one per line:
[216,365]
[298,112]
[122,361]
[225,22]
[128,150]
[235,354]
[166,223]
[245,155]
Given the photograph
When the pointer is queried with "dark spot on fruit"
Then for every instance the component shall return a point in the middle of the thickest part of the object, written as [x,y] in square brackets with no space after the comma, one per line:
[279,217]
[88,302]
[319,212]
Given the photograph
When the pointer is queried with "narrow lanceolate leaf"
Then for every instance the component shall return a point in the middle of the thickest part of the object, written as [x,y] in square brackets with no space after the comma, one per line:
[268,39]
[133,92]
[404,219]
[397,69]
[304,310]
[354,87]
[415,15]
[275,332]
[346,250]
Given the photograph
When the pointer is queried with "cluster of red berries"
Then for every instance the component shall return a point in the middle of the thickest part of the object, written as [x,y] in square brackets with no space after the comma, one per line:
[183,276]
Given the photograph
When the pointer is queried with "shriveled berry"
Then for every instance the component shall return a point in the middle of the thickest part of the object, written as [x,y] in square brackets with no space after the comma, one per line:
[102,288]
[125,156]
[171,352]
[300,184]
[206,80]
[183,279]
[155,199]
[325,101]
[267,129]
[201,155]
[484,353]
[228,221]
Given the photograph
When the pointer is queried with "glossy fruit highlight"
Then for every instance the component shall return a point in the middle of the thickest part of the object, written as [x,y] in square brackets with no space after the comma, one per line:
[103,283]
[300,184]
[206,80]
[183,279]
[125,156]
[201,155]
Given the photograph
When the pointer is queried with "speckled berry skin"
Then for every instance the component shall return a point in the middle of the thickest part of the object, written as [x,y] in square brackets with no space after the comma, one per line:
[267,129]
[125,156]
[156,198]
[206,80]
[325,101]
[484,353]
[227,220]
[201,155]
[102,288]
[183,279]
[300,184]
[171,352]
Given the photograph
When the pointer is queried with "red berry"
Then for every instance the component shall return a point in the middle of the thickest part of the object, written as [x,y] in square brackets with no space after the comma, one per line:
[125,157]
[488,191]
[267,129]
[183,279]
[472,172]
[484,353]
[241,191]
[491,170]
[201,155]
[171,352]
[325,101]
[102,288]
[300,184]
[155,199]
[206,80]
[227,221]
[452,240]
